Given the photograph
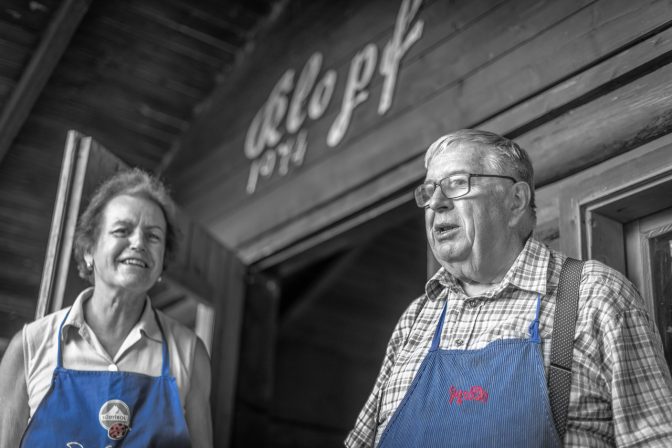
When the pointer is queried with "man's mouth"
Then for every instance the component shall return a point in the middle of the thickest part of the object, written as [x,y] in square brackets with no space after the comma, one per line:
[135,262]
[444,229]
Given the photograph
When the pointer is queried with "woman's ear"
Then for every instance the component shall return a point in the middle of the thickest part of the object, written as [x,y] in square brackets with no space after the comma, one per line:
[88,259]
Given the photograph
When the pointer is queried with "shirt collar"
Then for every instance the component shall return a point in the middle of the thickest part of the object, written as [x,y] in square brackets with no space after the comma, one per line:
[146,325]
[528,272]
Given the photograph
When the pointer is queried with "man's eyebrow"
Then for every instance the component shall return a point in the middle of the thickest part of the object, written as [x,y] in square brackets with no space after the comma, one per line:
[449,174]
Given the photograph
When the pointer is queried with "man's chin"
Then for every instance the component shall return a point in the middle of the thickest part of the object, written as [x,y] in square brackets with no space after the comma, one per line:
[449,254]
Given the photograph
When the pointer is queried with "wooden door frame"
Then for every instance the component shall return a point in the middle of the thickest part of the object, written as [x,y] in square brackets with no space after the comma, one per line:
[594,211]
[637,236]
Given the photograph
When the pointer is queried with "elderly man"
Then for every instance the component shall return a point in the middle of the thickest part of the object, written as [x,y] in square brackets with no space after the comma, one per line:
[468,361]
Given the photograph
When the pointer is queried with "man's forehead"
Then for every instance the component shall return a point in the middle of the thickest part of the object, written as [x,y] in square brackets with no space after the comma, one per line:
[458,157]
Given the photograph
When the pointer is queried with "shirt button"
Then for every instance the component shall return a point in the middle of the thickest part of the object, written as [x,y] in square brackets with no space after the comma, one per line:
[113,368]
[459,342]
[472,303]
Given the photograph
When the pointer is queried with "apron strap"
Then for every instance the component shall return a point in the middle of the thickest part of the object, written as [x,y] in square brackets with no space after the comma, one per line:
[165,366]
[439,328]
[59,358]
[562,342]
[534,326]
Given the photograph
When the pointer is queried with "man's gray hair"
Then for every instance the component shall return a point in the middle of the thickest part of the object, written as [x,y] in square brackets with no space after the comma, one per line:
[505,156]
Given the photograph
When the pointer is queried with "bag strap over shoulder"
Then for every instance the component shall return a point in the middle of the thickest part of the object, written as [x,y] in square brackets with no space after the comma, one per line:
[562,342]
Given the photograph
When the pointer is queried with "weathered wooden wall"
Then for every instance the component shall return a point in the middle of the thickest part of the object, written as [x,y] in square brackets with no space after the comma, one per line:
[577,82]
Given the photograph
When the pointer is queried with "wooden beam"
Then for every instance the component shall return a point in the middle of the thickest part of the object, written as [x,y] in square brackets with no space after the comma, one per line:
[54,43]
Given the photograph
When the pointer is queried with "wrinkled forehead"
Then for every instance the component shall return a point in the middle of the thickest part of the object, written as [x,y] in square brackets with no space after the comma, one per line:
[133,208]
[466,157]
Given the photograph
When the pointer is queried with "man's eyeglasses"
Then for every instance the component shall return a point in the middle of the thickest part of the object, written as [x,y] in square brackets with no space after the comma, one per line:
[452,187]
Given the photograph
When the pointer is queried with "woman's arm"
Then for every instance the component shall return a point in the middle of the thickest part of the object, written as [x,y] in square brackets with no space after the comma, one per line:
[199,419]
[14,410]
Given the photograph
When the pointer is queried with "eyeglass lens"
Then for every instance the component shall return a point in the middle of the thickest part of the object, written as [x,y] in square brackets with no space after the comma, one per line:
[452,187]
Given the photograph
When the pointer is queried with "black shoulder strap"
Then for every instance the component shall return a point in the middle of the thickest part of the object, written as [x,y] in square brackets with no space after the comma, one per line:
[562,342]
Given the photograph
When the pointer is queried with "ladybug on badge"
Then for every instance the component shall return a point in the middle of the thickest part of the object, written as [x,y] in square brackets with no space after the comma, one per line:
[117,431]
[115,417]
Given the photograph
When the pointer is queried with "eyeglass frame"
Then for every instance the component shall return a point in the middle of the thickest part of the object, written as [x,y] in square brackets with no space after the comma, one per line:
[438,184]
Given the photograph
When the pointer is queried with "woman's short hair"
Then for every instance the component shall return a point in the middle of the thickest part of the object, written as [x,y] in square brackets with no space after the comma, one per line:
[131,182]
[507,158]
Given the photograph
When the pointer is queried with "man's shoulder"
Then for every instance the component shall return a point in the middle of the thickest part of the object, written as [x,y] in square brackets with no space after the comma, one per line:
[607,288]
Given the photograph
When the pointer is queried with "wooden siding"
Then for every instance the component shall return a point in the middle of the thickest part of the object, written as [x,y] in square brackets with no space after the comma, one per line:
[133,75]
[477,63]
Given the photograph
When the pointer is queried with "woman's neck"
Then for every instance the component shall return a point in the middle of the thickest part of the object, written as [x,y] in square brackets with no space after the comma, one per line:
[111,315]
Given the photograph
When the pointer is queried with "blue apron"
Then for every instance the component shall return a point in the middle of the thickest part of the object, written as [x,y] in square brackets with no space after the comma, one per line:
[491,397]
[99,409]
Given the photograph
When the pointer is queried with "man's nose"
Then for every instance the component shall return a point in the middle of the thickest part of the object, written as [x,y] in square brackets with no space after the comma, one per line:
[439,201]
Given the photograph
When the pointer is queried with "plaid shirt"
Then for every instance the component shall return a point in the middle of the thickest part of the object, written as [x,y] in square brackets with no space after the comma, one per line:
[621,392]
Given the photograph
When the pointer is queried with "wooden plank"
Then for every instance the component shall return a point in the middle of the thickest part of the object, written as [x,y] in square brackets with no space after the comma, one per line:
[613,124]
[578,88]
[558,149]
[26,15]
[269,245]
[229,305]
[610,70]
[425,72]
[397,145]
[59,248]
[54,42]
[17,34]
[374,23]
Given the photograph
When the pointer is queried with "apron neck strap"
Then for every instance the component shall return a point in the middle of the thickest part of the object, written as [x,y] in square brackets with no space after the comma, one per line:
[59,358]
[165,365]
[439,328]
[534,326]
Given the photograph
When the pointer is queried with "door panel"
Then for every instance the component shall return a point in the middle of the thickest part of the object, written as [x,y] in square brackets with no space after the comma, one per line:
[649,258]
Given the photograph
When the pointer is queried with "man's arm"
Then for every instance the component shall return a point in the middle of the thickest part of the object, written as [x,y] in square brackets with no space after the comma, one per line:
[364,433]
[197,406]
[14,409]
[641,388]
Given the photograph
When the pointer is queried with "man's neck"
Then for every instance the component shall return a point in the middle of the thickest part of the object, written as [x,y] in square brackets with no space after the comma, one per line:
[476,276]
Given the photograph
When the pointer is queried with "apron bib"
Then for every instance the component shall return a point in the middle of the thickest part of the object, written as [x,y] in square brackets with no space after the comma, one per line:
[100,409]
[490,397]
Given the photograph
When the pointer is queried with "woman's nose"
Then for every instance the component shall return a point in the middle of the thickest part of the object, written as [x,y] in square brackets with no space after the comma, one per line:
[137,240]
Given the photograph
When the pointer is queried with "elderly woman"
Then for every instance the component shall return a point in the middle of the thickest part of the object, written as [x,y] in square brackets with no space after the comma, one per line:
[110,370]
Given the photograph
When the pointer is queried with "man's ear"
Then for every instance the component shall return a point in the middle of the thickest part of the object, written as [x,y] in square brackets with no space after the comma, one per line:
[521,194]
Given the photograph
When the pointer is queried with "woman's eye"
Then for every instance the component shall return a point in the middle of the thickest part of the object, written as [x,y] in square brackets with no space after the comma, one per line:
[154,237]
[120,231]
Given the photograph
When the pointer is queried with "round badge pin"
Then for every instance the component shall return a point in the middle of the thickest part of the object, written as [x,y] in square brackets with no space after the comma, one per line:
[115,417]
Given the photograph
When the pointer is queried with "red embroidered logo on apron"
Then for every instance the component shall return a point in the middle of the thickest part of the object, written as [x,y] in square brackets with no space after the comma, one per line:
[476,393]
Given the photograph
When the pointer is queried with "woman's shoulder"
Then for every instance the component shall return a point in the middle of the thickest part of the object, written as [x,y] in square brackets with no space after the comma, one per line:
[174,328]
[35,332]
[181,339]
